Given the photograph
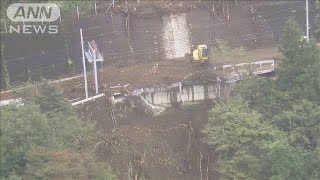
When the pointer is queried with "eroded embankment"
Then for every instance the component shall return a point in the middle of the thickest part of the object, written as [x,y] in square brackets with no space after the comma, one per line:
[145,32]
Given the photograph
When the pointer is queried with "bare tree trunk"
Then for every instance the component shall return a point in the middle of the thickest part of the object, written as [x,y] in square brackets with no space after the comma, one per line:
[130,170]
[212,5]
[190,136]
[223,8]
[228,15]
[200,168]
[225,14]
[208,168]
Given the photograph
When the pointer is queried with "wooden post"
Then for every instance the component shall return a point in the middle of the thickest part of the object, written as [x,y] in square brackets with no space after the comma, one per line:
[112,23]
[78,12]
[95,8]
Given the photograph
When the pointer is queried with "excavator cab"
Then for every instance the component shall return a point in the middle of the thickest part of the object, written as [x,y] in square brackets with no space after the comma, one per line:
[201,54]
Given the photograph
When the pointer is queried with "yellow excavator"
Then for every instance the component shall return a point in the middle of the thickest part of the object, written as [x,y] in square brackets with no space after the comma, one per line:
[200,55]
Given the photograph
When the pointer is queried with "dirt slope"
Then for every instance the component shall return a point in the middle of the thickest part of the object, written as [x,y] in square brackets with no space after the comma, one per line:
[152,74]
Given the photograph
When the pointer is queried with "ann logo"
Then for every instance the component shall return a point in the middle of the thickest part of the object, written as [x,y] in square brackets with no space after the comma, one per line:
[32,13]
[36,13]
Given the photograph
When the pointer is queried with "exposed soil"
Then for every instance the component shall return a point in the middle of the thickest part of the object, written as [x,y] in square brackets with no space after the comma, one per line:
[163,147]
[142,75]
[163,72]
[151,75]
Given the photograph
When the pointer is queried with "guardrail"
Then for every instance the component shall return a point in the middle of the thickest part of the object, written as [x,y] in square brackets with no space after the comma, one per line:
[88,99]
[256,68]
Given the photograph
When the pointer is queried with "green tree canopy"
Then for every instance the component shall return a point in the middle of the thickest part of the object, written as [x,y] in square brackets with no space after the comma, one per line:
[51,100]
[45,139]
[248,147]
[302,122]
[299,71]
[64,164]
[291,105]
[4,77]
[21,128]
[263,96]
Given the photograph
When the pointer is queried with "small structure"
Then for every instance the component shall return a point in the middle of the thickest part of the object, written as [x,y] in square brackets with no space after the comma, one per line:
[17,101]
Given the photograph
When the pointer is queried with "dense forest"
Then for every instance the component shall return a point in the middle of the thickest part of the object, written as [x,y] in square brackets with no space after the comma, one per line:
[270,129]
[43,138]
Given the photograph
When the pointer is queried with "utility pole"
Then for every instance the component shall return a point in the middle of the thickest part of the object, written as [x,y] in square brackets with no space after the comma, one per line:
[307,19]
[95,70]
[84,66]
